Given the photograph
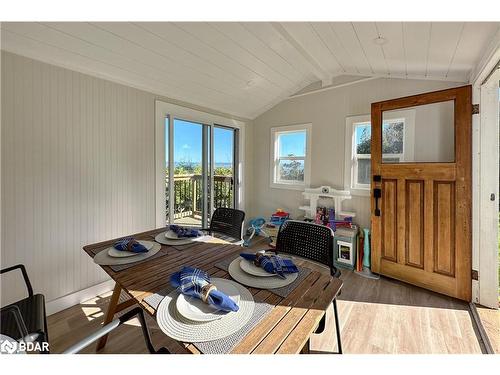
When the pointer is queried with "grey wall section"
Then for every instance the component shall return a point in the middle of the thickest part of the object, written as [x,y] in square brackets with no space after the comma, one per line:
[77,158]
[327,112]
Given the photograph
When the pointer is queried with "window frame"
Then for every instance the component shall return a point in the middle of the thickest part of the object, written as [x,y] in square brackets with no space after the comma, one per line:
[351,156]
[275,182]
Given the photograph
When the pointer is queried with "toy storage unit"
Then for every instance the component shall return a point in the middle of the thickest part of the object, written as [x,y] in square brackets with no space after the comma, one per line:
[326,192]
[344,248]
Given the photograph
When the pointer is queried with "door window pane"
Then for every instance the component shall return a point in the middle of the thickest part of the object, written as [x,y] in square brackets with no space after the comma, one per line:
[224,168]
[392,137]
[188,178]
[423,133]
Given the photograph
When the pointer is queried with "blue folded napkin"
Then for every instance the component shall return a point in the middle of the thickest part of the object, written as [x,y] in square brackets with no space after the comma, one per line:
[272,263]
[183,232]
[192,281]
[130,244]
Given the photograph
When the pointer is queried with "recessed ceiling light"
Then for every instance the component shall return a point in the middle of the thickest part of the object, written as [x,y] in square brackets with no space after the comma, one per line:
[380,41]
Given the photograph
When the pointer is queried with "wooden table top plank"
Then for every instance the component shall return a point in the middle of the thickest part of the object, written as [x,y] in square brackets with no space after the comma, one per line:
[150,279]
[267,324]
[177,260]
[263,295]
[296,339]
[272,342]
[286,327]
[154,284]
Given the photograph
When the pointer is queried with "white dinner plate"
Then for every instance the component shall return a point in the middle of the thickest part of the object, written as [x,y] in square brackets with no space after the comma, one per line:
[112,252]
[171,235]
[196,310]
[254,270]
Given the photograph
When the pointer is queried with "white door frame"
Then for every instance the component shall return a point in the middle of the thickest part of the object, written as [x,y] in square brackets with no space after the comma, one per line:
[163,110]
[485,182]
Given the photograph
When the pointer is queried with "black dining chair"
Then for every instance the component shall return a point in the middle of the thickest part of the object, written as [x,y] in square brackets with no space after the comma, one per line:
[26,316]
[313,242]
[26,321]
[227,223]
[119,321]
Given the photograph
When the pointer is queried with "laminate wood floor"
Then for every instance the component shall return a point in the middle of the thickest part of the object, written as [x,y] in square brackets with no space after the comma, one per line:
[491,322]
[386,316]
[376,316]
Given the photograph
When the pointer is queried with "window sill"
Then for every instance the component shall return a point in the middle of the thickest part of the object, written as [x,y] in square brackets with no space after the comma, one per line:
[360,192]
[300,187]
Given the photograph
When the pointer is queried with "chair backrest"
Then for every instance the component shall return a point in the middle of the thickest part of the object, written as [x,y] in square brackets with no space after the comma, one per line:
[228,222]
[307,240]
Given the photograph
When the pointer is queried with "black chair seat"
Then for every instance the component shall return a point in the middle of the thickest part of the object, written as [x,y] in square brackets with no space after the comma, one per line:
[33,312]
[307,240]
[227,224]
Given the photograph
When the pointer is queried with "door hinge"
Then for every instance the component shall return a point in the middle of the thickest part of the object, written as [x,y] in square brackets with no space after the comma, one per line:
[475,275]
[475,109]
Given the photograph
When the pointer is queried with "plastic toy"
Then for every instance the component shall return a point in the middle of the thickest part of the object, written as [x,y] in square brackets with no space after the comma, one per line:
[255,228]
[326,216]
[279,217]
[345,223]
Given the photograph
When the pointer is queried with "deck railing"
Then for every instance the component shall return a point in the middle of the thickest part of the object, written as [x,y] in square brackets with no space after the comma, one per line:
[188,194]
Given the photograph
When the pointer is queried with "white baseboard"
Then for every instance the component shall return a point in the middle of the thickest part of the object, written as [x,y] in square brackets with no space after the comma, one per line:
[73,299]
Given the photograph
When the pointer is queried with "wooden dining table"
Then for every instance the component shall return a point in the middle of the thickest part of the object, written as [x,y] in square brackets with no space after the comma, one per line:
[285,329]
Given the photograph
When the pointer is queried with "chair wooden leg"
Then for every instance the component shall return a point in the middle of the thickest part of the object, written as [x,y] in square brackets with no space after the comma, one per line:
[110,313]
[337,326]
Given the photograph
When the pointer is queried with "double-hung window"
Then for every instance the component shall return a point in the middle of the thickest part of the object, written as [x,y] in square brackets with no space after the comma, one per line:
[290,156]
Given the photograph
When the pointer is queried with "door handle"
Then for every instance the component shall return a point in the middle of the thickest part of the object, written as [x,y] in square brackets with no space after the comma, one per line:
[377,194]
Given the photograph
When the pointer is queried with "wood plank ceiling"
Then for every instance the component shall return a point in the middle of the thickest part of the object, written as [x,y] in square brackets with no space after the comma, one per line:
[246,68]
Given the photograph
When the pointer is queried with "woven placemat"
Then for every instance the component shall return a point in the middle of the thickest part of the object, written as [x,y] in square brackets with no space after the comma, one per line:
[187,243]
[283,291]
[184,247]
[226,344]
[121,267]
[160,238]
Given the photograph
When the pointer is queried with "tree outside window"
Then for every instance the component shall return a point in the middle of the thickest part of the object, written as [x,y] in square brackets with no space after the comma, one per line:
[392,149]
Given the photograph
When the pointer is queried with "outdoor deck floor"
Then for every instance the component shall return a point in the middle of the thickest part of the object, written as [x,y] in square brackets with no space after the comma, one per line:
[189,221]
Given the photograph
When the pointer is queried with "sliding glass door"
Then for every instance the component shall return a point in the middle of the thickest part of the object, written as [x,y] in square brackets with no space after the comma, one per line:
[201,168]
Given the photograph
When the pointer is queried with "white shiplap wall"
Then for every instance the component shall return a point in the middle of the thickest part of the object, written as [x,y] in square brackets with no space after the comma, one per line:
[77,168]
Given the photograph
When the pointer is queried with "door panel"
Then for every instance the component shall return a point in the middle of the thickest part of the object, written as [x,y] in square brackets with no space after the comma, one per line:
[389,225]
[414,224]
[423,233]
[444,228]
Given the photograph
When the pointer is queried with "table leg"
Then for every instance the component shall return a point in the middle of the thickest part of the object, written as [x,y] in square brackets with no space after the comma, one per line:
[110,313]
